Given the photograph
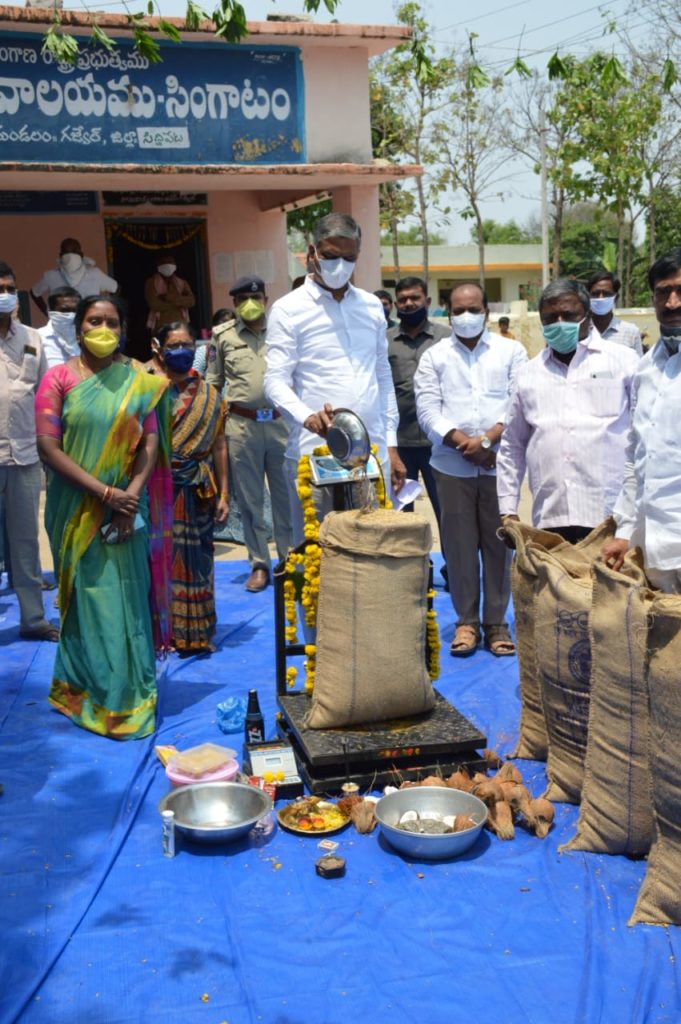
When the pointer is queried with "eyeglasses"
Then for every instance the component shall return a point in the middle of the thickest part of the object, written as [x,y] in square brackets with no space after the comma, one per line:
[10,289]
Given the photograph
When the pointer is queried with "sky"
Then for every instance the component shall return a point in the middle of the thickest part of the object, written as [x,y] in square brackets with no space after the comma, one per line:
[533,29]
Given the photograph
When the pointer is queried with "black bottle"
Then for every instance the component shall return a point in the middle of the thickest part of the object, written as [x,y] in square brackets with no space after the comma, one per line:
[255,723]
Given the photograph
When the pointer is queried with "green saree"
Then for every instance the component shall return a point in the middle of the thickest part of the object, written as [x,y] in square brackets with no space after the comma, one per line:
[104,671]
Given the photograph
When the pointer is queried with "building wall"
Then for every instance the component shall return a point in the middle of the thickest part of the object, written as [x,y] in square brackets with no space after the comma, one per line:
[337,105]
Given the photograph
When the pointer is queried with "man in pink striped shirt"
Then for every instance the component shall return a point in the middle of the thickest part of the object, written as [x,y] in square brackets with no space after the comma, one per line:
[568,420]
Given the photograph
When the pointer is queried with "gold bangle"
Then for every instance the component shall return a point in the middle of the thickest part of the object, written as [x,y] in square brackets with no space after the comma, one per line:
[106,496]
[225,495]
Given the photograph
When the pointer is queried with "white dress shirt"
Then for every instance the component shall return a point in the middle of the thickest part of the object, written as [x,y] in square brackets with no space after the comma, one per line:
[93,282]
[22,365]
[57,349]
[320,350]
[460,389]
[624,333]
[568,425]
[648,510]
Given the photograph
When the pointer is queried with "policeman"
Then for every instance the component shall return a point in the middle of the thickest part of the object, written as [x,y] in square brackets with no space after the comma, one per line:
[256,433]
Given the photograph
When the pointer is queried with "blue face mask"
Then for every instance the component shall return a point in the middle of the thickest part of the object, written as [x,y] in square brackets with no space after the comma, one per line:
[412,317]
[562,336]
[179,360]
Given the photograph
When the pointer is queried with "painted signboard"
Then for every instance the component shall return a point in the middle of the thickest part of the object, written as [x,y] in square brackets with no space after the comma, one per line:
[203,104]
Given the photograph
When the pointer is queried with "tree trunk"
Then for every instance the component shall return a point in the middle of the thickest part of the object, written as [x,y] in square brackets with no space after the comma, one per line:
[558,211]
[481,241]
[652,226]
[630,249]
[396,248]
[423,221]
[621,232]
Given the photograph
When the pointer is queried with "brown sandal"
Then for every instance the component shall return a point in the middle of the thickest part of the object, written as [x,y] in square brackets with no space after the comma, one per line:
[498,641]
[465,642]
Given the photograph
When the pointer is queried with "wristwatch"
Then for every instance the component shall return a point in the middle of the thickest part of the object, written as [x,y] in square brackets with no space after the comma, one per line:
[485,442]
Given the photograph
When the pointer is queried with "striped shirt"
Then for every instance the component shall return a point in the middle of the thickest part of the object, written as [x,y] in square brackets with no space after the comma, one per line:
[624,333]
[568,426]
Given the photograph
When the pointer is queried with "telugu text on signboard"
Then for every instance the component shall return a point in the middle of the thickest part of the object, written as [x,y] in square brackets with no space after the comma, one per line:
[204,104]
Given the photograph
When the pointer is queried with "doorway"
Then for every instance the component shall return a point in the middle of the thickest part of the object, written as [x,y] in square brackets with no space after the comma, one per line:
[133,248]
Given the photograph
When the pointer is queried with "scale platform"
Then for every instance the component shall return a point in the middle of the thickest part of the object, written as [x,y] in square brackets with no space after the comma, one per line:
[380,753]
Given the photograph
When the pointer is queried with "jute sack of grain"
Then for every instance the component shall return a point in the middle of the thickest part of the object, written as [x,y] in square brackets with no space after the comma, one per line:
[563,651]
[371,619]
[659,899]
[616,813]
[532,738]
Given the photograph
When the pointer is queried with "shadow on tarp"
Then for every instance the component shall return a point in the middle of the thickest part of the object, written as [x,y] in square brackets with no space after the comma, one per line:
[100,927]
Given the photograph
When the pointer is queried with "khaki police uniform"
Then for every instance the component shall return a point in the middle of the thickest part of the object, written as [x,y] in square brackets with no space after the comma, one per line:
[256,434]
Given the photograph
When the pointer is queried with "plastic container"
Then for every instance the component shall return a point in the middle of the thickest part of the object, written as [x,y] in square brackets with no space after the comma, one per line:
[223,774]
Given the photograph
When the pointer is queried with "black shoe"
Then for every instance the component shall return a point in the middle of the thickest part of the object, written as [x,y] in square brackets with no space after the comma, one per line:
[445,577]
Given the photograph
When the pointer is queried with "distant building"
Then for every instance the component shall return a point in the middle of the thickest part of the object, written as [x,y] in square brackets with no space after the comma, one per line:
[512,272]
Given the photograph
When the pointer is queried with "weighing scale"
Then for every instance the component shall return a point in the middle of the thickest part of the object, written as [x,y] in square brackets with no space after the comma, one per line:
[377,753]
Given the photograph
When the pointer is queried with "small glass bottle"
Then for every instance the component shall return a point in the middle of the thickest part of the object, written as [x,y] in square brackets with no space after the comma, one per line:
[255,723]
[168,818]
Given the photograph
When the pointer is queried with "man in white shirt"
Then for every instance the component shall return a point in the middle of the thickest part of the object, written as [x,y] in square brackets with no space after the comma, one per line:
[603,288]
[327,348]
[22,364]
[76,271]
[568,421]
[648,509]
[462,387]
[59,333]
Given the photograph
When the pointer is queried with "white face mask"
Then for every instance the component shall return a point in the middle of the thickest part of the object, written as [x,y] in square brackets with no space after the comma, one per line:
[468,325]
[602,306]
[64,325]
[335,273]
[71,261]
[8,303]
[167,269]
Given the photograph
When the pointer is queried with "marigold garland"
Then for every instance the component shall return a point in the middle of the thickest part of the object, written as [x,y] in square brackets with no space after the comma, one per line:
[433,643]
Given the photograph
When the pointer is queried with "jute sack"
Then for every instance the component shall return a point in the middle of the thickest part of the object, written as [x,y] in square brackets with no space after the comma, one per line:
[563,652]
[371,619]
[616,813]
[532,738]
[659,899]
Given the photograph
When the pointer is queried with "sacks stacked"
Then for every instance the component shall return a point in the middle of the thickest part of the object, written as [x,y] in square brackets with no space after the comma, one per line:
[606,651]
[371,619]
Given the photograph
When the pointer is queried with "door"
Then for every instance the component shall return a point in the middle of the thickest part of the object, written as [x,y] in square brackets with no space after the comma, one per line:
[133,248]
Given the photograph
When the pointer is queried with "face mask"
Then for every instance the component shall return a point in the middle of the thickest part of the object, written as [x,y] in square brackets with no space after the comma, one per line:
[101,341]
[63,324]
[602,306]
[335,273]
[386,310]
[167,269]
[71,261]
[468,325]
[251,309]
[412,317]
[8,303]
[179,360]
[562,336]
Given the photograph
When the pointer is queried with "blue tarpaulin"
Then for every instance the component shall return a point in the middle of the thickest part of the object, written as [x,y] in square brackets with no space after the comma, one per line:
[96,925]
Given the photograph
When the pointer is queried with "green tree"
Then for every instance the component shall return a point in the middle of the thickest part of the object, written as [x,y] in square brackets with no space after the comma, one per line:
[228,18]
[613,116]
[408,94]
[412,236]
[510,232]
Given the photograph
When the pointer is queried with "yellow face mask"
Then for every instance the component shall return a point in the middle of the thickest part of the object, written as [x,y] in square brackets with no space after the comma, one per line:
[251,309]
[101,342]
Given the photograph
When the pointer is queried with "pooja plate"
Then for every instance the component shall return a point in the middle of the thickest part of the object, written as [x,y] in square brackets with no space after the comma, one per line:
[312,817]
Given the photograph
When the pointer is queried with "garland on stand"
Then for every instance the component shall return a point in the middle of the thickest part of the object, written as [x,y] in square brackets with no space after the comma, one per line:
[303,587]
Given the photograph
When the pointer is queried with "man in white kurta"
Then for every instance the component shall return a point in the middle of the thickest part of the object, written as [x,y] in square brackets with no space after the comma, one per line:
[568,422]
[648,509]
[327,348]
[462,387]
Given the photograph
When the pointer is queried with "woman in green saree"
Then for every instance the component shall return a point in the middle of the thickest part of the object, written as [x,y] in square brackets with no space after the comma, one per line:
[99,434]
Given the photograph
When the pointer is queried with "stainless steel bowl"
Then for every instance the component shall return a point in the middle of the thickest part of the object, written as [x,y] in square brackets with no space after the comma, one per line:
[348,439]
[216,812]
[425,799]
